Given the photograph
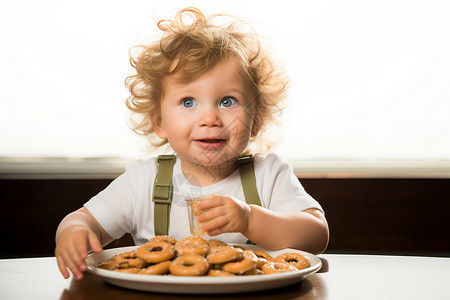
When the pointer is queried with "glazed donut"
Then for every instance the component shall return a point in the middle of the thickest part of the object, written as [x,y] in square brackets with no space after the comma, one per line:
[216,243]
[156,252]
[189,265]
[129,270]
[192,245]
[239,267]
[163,238]
[262,254]
[260,262]
[238,247]
[219,273]
[128,260]
[263,257]
[253,272]
[293,258]
[157,269]
[272,267]
[108,265]
[224,254]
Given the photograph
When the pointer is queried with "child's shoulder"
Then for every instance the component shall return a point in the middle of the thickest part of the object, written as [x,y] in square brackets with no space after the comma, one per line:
[142,167]
[142,163]
[270,162]
[268,158]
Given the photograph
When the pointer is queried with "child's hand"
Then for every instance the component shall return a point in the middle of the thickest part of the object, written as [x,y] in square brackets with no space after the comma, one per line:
[224,214]
[72,249]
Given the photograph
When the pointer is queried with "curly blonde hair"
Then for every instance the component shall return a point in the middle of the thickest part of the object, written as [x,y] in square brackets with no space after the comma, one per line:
[192,49]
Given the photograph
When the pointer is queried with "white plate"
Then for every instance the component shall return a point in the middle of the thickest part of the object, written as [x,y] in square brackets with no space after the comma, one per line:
[202,284]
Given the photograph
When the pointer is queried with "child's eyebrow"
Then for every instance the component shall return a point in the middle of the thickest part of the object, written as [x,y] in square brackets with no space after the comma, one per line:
[241,92]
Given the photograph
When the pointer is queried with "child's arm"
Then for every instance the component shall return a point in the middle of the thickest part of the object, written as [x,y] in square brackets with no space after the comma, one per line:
[76,233]
[306,230]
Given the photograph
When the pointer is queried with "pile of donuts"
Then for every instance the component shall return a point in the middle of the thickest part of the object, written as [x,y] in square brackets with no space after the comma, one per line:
[195,256]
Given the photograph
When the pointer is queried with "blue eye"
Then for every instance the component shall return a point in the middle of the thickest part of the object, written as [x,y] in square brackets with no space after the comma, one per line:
[188,102]
[228,102]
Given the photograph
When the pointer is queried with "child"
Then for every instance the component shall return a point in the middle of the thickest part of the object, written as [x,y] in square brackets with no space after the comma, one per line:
[209,92]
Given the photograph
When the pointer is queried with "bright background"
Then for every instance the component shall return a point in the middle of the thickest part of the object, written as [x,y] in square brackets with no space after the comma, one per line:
[370,79]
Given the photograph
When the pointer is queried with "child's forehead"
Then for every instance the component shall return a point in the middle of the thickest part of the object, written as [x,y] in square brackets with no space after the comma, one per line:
[191,71]
[223,76]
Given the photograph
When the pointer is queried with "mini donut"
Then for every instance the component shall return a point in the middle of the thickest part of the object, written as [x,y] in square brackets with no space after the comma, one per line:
[293,258]
[128,260]
[253,272]
[249,262]
[189,265]
[108,265]
[156,252]
[157,269]
[219,273]
[163,238]
[129,270]
[216,243]
[272,267]
[263,257]
[262,254]
[239,247]
[192,245]
[224,254]
[260,262]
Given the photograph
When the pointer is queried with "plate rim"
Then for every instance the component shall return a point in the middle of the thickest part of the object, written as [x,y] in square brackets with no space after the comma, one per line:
[122,279]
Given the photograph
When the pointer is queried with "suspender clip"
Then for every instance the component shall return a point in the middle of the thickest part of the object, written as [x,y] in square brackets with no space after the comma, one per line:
[162,193]
[242,160]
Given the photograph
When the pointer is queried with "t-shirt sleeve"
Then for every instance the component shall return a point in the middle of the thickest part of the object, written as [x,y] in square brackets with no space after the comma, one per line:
[113,207]
[280,188]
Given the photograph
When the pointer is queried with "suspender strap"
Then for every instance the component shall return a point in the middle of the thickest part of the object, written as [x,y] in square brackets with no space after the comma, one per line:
[162,194]
[245,166]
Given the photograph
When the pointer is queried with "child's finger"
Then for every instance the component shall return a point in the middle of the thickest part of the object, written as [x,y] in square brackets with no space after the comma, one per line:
[211,213]
[62,267]
[79,252]
[94,243]
[73,266]
[220,222]
[215,232]
[211,202]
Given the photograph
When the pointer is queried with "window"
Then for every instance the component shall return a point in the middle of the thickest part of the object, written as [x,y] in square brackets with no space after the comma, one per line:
[370,79]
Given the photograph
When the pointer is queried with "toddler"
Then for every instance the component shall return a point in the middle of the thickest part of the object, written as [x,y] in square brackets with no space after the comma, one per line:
[208,93]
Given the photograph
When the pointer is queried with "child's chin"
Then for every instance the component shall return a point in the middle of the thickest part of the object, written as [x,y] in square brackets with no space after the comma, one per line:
[210,160]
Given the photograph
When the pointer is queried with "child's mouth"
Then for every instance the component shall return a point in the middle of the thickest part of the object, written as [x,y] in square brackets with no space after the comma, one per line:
[210,143]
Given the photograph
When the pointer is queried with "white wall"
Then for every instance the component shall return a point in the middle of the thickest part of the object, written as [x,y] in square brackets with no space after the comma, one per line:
[370,79]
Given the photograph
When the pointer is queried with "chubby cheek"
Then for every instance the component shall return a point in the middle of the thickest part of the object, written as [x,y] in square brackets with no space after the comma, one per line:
[177,131]
[169,122]
[239,133]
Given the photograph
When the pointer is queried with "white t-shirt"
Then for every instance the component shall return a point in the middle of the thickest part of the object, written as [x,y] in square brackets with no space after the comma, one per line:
[126,205]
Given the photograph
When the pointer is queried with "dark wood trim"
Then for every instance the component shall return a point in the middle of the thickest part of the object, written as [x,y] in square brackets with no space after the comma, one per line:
[366,215]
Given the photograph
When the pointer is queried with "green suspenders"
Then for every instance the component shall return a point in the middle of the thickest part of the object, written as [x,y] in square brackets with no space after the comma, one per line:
[162,194]
[248,180]
[162,190]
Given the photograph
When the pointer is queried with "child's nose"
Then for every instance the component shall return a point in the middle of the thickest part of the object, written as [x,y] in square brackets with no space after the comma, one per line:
[209,117]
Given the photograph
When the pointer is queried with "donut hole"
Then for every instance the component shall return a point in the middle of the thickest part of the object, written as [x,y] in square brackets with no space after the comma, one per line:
[188,263]
[155,249]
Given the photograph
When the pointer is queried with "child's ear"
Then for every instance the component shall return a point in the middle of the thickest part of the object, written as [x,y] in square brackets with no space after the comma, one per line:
[157,126]
[255,130]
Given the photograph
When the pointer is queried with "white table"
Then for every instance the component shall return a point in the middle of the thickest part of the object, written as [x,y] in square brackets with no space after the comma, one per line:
[341,277]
